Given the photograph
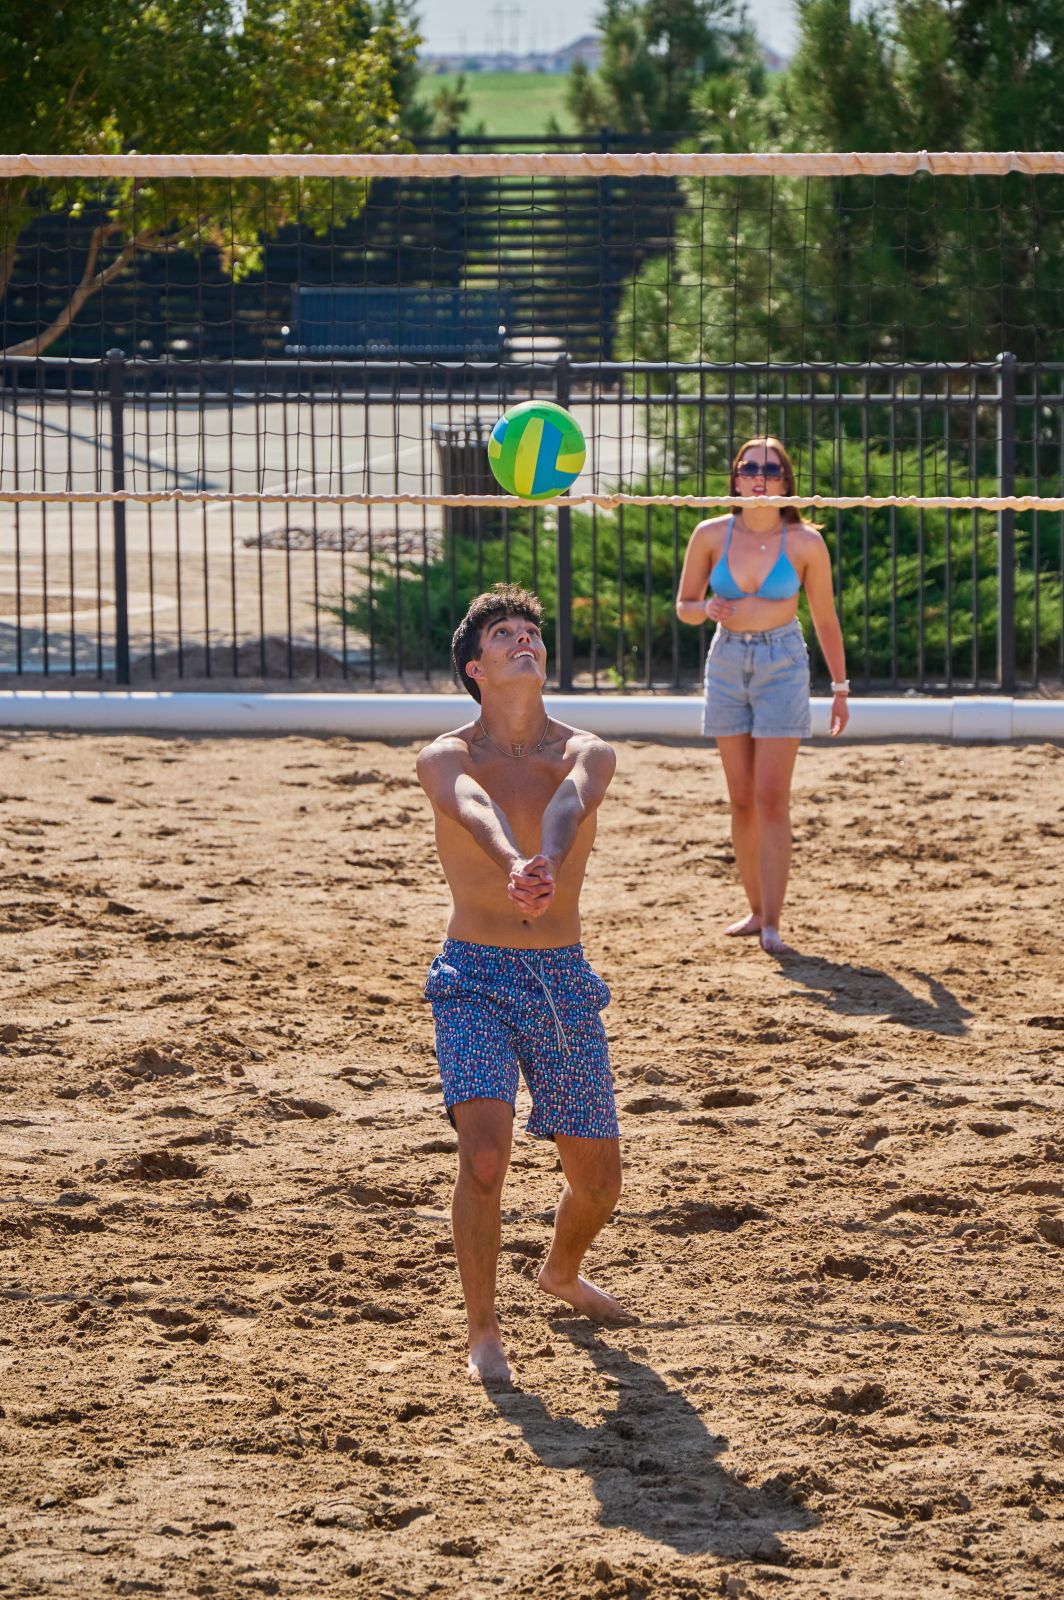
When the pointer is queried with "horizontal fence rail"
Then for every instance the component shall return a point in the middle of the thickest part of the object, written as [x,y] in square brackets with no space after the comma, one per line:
[291,520]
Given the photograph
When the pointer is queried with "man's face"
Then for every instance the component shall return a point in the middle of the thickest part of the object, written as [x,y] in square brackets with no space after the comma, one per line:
[511,650]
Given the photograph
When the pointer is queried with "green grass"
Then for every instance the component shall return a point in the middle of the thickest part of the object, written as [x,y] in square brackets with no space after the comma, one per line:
[508,103]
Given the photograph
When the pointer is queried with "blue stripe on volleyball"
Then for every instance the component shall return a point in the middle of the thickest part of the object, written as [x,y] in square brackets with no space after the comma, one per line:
[547,477]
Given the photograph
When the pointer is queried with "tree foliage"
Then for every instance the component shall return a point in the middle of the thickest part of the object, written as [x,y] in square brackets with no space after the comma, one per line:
[175,76]
[916,589]
[898,268]
[656,54]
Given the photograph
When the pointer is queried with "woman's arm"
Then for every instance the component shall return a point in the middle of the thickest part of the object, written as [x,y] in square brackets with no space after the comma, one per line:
[819,593]
[692,606]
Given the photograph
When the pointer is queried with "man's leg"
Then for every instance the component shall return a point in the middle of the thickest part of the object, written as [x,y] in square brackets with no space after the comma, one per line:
[485,1134]
[592,1170]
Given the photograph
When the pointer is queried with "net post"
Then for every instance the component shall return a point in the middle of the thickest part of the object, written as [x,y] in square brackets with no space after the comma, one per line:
[1006,554]
[116,391]
[564,565]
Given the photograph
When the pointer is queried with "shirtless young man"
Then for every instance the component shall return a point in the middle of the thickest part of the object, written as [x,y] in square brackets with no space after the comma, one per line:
[515,796]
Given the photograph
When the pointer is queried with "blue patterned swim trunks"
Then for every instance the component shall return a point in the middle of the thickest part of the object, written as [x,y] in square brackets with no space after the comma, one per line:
[500,1011]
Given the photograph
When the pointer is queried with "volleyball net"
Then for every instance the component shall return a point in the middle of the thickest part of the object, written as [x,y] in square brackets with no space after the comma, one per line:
[263,386]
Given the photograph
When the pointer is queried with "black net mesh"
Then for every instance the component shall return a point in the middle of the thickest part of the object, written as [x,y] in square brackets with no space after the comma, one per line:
[342,335]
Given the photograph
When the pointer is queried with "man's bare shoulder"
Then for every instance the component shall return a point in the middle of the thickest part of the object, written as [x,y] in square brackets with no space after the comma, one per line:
[587,747]
[447,754]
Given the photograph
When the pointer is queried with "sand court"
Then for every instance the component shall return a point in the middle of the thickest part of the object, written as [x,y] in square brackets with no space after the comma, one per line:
[231,1330]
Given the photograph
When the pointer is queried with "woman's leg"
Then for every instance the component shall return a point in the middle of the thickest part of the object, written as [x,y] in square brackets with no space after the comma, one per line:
[737,758]
[773,770]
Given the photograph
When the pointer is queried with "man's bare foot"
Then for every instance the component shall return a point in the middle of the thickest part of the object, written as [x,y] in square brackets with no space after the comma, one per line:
[488,1363]
[772,944]
[744,927]
[593,1303]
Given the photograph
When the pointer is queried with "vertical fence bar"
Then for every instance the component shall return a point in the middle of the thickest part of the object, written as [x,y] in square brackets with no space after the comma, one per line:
[921,543]
[947,569]
[1006,559]
[70,528]
[203,474]
[973,489]
[116,389]
[564,571]
[893,525]
[866,449]
[1060,522]
[1034,401]
[648,562]
[15,419]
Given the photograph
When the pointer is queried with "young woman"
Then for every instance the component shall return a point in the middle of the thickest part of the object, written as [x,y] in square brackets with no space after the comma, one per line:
[755,561]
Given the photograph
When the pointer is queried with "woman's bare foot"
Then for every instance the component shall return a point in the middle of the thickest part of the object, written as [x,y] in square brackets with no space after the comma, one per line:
[488,1363]
[744,927]
[593,1303]
[772,944]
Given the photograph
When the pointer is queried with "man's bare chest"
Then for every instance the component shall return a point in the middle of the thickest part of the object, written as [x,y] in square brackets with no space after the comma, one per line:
[523,791]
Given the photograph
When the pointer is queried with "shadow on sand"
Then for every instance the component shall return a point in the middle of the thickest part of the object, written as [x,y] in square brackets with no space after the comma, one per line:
[653,1462]
[852,991]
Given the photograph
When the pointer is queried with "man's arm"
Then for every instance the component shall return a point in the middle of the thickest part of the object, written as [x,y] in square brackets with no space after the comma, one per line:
[443,772]
[575,798]
[533,882]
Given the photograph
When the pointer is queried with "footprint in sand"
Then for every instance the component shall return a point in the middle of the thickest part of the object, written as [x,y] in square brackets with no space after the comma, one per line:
[727,1095]
[855,1268]
[928,1204]
[694,1217]
[859,1402]
[178,1325]
[155,1166]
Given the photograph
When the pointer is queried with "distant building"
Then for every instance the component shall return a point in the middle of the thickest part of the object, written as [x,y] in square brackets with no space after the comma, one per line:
[588,49]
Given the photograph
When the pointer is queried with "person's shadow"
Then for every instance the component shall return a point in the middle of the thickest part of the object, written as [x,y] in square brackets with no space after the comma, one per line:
[853,991]
[653,1463]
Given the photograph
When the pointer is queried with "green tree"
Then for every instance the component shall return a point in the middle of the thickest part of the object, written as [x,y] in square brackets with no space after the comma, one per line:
[860,268]
[170,76]
[656,54]
[450,105]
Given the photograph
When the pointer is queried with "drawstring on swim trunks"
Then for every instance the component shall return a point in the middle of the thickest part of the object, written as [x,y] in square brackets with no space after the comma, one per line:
[563,1042]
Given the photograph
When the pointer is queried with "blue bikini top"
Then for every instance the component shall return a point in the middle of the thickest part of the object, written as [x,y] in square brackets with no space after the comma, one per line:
[781,583]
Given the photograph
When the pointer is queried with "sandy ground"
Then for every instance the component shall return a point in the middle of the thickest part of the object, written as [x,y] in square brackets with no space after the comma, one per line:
[230,1324]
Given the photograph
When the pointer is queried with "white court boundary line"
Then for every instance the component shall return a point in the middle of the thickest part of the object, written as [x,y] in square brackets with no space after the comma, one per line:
[418,716]
[503,502]
[792,164]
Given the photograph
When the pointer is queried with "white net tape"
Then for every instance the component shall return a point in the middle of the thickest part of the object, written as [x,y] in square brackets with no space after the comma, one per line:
[604,502]
[800,164]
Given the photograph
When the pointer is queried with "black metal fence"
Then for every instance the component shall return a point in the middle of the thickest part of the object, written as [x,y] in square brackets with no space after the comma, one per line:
[282,590]
[559,251]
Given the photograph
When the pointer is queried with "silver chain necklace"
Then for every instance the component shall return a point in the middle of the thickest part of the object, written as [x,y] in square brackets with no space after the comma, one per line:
[517,751]
[771,535]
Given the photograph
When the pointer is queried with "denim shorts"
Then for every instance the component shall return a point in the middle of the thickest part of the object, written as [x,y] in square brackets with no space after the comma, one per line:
[500,1011]
[758,683]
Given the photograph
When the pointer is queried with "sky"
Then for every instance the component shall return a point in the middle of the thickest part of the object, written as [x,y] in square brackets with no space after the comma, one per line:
[452,25]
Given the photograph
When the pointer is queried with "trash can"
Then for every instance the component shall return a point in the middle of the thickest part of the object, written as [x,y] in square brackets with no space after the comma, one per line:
[462,446]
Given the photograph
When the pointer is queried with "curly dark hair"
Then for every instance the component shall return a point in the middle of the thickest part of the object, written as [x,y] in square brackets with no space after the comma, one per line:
[502,600]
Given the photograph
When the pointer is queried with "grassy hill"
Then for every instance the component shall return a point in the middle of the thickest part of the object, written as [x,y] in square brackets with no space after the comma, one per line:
[509,104]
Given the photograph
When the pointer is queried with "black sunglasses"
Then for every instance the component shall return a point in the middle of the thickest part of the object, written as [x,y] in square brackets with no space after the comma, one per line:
[760,469]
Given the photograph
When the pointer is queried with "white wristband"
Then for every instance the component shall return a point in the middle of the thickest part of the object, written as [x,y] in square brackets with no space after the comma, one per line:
[841,688]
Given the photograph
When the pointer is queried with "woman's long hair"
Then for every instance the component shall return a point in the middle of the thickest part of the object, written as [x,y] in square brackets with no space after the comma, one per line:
[768,441]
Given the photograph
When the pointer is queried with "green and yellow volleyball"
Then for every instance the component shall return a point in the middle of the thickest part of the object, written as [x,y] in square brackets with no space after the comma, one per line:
[536,450]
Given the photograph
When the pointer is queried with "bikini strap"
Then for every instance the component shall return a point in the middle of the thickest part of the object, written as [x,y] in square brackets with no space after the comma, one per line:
[727,538]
